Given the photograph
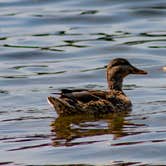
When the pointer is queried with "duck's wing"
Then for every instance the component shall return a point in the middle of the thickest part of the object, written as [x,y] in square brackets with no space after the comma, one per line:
[83,95]
[72,101]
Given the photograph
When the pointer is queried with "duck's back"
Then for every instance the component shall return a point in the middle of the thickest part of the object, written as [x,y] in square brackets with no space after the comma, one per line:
[83,101]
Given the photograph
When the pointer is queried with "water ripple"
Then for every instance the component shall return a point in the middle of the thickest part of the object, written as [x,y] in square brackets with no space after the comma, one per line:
[55,44]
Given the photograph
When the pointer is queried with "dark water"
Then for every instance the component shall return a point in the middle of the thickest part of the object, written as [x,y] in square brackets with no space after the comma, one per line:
[54,44]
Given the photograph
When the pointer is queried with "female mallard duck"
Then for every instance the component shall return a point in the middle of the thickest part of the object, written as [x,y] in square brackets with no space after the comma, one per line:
[82,101]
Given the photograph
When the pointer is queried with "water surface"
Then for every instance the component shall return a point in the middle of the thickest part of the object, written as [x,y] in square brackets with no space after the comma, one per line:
[54,44]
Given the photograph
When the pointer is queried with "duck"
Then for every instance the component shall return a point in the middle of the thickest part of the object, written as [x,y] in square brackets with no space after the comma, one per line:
[98,102]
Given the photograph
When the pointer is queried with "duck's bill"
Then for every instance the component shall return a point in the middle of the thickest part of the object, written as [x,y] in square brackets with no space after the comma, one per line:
[138,71]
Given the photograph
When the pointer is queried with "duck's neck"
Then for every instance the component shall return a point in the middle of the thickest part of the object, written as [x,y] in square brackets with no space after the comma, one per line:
[114,82]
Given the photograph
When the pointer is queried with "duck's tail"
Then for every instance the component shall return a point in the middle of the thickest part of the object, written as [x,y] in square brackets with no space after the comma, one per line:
[61,106]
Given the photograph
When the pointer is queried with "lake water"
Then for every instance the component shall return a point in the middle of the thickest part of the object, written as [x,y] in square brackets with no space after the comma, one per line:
[54,44]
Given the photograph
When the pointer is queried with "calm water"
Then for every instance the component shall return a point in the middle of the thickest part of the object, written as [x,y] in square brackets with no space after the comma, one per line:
[54,44]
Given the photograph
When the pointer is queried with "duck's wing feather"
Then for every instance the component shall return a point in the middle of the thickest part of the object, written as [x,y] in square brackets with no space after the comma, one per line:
[83,95]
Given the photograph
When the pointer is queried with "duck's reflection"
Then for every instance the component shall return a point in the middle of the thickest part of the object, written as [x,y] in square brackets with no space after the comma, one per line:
[66,129]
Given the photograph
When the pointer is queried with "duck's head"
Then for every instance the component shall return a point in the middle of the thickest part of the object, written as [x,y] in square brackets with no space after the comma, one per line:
[119,68]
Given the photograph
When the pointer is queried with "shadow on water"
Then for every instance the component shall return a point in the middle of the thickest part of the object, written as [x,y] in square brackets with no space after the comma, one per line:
[67,129]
